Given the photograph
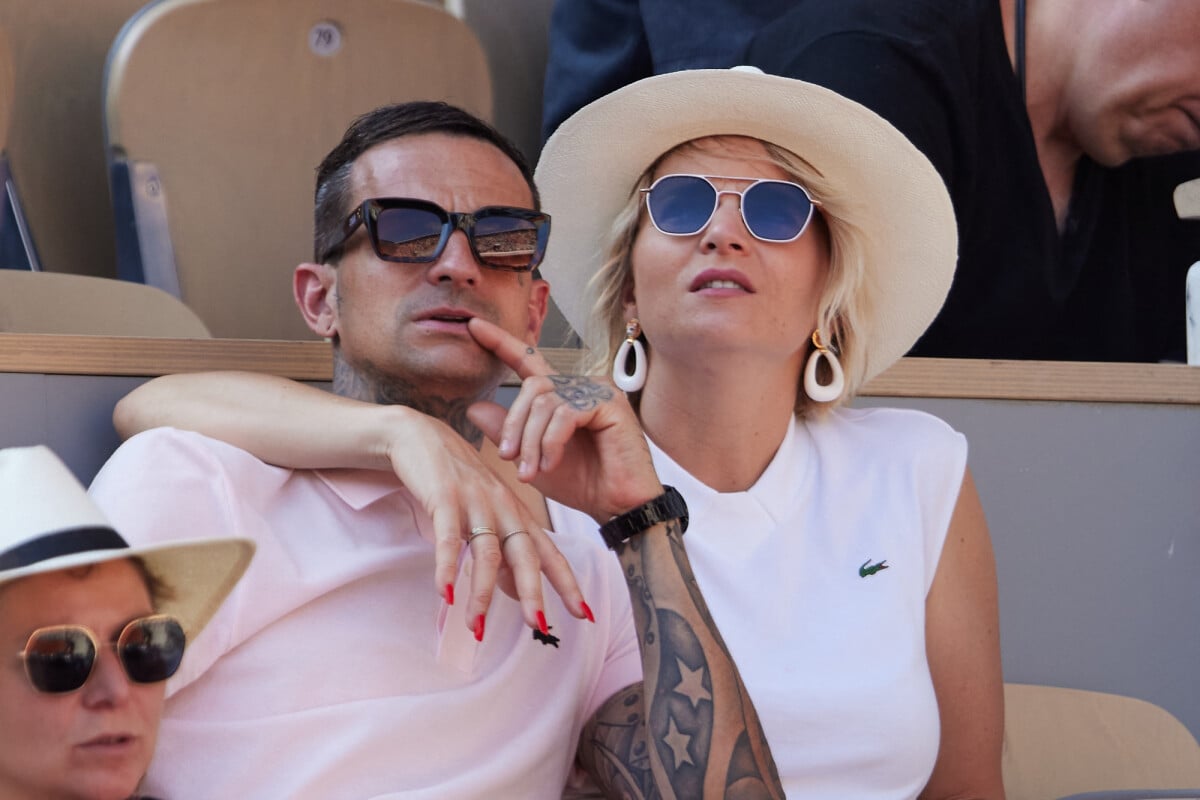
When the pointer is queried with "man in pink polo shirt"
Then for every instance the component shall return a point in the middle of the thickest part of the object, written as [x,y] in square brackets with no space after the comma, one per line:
[334,671]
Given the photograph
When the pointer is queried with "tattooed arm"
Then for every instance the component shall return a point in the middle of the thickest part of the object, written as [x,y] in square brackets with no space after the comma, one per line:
[690,729]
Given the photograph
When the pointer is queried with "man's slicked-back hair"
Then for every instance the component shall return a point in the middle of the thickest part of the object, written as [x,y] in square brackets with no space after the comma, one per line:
[333,200]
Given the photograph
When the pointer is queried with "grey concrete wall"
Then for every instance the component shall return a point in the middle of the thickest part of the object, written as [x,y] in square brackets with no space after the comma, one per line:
[1094,512]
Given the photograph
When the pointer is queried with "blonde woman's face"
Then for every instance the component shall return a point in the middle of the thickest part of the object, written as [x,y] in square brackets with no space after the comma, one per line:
[94,743]
[722,289]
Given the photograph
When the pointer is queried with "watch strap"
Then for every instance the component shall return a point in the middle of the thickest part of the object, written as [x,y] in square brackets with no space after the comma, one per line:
[668,505]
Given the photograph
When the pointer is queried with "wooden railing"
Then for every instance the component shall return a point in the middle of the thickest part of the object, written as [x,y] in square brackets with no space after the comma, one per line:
[910,377]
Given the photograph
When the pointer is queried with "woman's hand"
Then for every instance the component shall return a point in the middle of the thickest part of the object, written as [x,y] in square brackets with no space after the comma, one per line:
[298,426]
[461,492]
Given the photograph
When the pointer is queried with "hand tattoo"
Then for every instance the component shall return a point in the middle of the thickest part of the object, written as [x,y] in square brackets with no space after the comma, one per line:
[581,392]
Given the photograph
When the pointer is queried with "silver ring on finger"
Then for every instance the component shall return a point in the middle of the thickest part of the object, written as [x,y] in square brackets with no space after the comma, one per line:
[504,539]
[481,530]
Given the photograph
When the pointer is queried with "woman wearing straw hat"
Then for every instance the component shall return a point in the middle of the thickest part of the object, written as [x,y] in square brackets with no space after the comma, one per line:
[743,263]
[97,627]
[753,249]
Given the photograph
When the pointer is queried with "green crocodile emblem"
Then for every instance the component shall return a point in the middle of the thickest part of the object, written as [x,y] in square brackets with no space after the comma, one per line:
[866,570]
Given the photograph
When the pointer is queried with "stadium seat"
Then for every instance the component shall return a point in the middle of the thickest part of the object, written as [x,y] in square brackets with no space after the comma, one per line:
[16,243]
[1061,742]
[53,302]
[217,113]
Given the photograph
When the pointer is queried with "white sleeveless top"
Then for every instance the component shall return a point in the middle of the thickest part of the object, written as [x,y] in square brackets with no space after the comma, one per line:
[817,577]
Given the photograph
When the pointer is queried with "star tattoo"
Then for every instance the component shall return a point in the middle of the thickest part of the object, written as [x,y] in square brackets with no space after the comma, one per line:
[678,742]
[691,684]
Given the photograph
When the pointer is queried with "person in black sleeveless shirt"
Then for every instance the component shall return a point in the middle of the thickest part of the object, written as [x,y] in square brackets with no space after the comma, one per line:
[1061,131]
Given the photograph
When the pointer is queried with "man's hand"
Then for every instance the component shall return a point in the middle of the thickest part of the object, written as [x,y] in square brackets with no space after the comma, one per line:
[574,437]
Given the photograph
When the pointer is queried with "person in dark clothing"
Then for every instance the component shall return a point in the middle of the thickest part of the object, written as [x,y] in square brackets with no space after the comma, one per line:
[1061,131]
[597,46]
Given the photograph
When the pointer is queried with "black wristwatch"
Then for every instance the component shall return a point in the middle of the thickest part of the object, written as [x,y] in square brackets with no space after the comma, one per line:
[668,505]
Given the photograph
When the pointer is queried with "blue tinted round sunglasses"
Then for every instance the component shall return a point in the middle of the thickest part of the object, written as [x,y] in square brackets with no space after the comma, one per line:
[411,231]
[773,210]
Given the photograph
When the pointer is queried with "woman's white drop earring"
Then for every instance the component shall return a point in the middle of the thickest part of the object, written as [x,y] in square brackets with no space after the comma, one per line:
[626,381]
[837,384]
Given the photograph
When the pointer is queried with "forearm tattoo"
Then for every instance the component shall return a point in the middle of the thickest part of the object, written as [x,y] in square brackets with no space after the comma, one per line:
[660,738]
[580,391]
[371,384]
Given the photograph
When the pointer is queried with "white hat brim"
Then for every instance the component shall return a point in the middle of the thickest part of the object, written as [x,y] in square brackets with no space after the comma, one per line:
[50,523]
[198,573]
[590,165]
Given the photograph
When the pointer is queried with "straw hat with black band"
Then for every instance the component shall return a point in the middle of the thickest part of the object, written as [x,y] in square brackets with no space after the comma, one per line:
[48,523]
[589,168]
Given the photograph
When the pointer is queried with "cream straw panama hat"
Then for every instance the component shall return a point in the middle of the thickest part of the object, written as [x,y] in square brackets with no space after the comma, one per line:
[48,522]
[588,169]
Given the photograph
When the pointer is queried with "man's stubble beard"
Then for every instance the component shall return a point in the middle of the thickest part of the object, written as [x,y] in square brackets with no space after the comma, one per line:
[367,381]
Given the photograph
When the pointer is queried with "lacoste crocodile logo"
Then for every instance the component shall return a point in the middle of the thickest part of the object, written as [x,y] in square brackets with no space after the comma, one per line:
[868,568]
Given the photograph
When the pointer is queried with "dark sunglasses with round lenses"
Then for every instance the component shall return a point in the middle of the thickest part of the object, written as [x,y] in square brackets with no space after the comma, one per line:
[60,658]
[773,210]
[410,231]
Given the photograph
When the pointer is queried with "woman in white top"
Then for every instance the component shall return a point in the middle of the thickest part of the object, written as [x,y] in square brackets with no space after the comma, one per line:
[755,249]
[774,247]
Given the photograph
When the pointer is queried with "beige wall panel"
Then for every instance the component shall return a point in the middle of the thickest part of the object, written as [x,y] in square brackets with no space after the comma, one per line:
[6,87]
[55,141]
[515,34]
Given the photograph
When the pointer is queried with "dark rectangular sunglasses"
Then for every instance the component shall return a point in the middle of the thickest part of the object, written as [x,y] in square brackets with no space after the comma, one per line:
[772,210]
[60,658]
[412,231]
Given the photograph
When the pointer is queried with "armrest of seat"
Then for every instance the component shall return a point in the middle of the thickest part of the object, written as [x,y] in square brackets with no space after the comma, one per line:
[16,242]
[144,250]
[1187,199]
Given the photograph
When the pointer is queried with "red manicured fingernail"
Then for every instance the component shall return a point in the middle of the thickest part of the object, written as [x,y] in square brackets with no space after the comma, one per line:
[448,594]
[479,628]
[542,623]
[587,612]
